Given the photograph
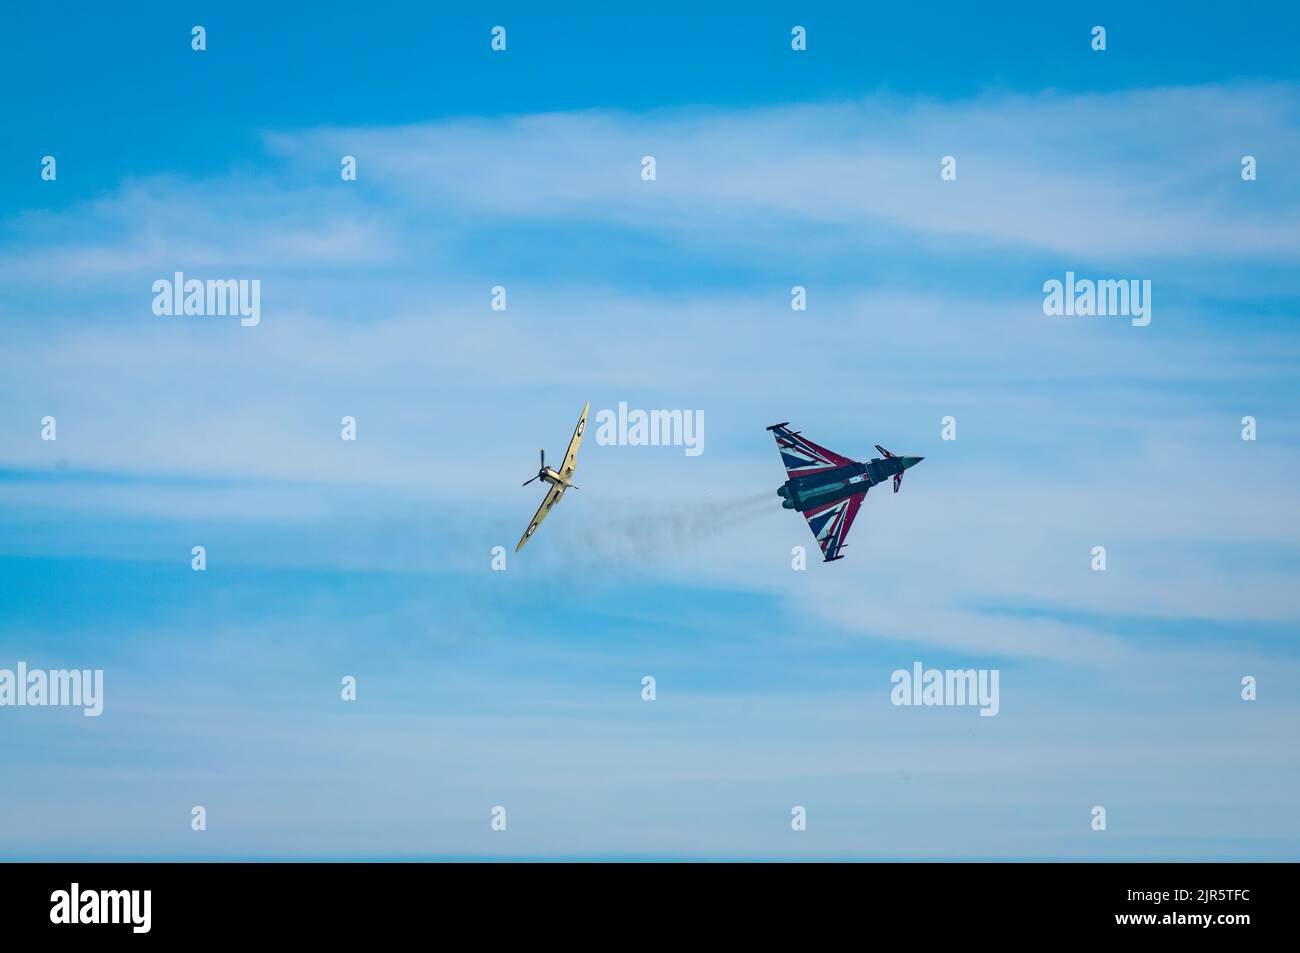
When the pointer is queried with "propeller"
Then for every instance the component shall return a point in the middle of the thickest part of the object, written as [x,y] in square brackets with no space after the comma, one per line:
[541,469]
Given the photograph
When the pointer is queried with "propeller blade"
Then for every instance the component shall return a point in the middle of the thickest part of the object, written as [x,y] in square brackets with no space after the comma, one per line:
[543,459]
[526,482]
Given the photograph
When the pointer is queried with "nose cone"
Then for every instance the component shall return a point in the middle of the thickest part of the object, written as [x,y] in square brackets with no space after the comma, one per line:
[909,462]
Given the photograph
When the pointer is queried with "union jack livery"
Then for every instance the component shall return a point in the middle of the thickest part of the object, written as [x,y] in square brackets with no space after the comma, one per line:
[827,488]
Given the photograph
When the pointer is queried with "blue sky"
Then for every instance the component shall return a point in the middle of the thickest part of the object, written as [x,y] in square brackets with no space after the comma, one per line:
[522,688]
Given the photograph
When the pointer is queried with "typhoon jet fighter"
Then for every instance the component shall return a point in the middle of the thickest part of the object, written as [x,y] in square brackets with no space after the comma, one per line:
[560,480]
[828,488]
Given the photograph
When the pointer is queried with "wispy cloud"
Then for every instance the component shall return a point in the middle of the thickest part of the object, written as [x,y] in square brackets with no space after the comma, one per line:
[924,302]
[1149,173]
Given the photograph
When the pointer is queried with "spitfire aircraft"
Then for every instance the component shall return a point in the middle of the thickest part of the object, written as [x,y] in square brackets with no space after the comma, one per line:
[560,480]
[828,488]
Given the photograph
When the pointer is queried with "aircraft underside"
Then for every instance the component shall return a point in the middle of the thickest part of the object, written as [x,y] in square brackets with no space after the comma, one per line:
[797,497]
[828,488]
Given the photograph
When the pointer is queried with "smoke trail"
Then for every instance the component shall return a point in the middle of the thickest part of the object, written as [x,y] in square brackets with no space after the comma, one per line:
[657,526]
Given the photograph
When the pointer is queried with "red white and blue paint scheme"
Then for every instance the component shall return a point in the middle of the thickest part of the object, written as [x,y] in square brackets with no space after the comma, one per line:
[828,488]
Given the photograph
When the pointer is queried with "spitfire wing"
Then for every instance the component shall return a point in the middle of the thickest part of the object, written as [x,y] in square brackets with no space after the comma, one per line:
[552,497]
[801,456]
[566,471]
[830,523]
[571,455]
